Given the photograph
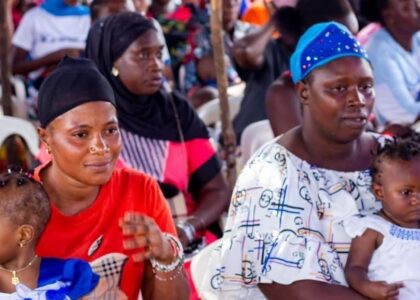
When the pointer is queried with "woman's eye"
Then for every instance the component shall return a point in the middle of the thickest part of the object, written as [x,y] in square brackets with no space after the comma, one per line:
[338,89]
[80,135]
[112,130]
[367,87]
[159,55]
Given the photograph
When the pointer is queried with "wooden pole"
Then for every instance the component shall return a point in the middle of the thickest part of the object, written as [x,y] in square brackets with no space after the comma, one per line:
[228,134]
[6,100]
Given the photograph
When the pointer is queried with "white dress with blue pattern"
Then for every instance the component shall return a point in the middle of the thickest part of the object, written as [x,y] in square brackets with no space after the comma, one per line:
[285,224]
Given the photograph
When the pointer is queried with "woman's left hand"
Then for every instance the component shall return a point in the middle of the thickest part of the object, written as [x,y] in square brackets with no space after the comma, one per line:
[142,234]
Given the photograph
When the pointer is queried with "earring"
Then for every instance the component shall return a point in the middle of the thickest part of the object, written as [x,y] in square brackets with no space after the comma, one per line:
[115,71]
[21,244]
[48,150]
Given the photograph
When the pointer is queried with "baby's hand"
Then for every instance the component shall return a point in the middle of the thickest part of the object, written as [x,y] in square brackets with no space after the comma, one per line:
[380,290]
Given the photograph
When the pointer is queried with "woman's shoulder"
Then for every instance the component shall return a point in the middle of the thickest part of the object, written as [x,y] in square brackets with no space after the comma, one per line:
[130,178]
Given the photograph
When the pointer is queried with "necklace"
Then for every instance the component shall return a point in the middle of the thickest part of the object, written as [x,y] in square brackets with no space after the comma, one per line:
[15,279]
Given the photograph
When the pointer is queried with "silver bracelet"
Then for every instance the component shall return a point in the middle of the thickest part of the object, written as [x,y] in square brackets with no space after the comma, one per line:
[188,229]
[179,259]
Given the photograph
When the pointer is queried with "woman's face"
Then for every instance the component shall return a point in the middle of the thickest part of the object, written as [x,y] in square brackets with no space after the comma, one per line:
[141,66]
[85,142]
[230,13]
[338,98]
[403,14]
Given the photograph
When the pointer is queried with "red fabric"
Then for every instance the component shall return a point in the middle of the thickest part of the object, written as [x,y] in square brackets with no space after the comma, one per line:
[199,151]
[73,236]
[182,161]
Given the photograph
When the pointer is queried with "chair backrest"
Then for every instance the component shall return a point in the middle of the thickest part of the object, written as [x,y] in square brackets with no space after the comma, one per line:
[209,112]
[12,125]
[253,137]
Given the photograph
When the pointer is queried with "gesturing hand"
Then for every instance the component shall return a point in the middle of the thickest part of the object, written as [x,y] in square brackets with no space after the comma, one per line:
[143,235]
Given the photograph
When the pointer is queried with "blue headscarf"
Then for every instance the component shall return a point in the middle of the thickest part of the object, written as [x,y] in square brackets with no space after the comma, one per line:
[321,44]
[59,8]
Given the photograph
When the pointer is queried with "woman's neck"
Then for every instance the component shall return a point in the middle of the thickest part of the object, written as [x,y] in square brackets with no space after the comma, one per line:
[328,154]
[403,38]
[69,196]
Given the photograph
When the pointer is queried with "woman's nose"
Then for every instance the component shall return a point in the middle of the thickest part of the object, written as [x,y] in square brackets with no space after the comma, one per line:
[356,98]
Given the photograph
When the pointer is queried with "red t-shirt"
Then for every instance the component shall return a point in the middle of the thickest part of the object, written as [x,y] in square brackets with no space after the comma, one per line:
[94,234]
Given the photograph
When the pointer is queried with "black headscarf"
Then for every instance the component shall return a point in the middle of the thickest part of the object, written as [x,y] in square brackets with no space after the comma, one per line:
[72,83]
[148,116]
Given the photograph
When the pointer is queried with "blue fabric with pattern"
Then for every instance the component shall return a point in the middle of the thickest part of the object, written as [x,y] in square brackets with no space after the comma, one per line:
[321,44]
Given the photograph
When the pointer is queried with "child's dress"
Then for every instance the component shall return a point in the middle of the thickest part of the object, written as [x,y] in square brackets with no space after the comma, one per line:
[398,257]
[59,279]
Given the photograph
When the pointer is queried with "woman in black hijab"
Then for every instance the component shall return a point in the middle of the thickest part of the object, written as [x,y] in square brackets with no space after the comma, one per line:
[161,134]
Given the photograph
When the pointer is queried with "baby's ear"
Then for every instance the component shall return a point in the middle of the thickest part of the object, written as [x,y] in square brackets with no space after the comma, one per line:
[26,234]
[377,190]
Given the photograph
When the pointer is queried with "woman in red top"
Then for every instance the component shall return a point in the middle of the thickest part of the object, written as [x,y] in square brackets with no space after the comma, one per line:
[117,220]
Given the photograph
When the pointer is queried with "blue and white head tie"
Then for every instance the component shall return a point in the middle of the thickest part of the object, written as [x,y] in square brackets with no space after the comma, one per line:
[321,44]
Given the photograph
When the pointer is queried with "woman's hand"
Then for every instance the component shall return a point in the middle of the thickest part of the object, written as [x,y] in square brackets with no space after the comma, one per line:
[143,235]
[380,290]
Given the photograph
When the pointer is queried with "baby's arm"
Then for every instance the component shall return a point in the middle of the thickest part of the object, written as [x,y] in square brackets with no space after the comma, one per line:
[362,248]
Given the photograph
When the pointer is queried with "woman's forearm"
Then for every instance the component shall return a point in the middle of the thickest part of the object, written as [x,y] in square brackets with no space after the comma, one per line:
[169,286]
[248,52]
[213,199]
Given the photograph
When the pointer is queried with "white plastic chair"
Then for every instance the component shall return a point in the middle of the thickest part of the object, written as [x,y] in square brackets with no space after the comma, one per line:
[209,112]
[253,137]
[12,125]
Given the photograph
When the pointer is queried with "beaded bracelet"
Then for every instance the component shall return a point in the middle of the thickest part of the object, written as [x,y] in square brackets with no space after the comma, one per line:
[177,263]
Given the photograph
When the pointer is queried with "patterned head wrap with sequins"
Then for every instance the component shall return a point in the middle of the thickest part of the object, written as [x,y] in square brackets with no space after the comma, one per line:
[321,44]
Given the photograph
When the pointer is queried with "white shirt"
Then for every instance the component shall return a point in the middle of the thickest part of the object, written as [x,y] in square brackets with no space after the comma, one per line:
[397,258]
[41,33]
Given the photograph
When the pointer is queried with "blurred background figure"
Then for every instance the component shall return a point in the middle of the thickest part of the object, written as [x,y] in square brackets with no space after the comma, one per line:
[395,55]
[45,35]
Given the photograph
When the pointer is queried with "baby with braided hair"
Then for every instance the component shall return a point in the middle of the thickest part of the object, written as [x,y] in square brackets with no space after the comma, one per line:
[24,212]
[384,256]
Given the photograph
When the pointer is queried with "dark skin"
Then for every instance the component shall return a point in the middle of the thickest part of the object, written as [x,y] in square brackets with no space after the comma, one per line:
[397,187]
[159,8]
[336,104]
[109,8]
[141,72]
[75,176]
[15,257]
